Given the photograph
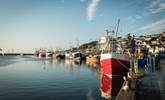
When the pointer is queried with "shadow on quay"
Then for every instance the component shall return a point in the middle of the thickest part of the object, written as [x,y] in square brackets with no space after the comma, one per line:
[152,86]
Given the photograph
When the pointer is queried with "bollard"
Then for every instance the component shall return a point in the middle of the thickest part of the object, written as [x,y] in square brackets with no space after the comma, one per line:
[135,66]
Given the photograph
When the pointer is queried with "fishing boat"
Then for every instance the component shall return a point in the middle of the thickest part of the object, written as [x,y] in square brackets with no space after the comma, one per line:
[49,54]
[40,53]
[77,56]
[68,55]
[92,59]
[114,63]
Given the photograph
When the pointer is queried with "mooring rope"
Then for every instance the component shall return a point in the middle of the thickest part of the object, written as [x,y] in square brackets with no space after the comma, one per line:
[123,65]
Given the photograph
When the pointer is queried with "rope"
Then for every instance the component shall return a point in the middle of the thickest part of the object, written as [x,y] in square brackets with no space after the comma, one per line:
[123,65]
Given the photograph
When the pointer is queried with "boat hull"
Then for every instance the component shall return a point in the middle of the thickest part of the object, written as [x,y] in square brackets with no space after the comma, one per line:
[110,87]
[114,66]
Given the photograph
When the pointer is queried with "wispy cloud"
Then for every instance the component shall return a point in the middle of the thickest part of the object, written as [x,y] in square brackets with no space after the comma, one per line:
[134,18]
[102,14]
[62,1]
[156,6]
[160,8]
[138,16]
[82,0]
[153,3]
[131,19]
[92,9]
[155,26]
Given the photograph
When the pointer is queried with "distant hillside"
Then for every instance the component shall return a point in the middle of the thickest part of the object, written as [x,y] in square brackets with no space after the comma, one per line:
[88,45]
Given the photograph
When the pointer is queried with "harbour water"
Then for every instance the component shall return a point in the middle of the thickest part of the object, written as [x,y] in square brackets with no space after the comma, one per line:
[30,78]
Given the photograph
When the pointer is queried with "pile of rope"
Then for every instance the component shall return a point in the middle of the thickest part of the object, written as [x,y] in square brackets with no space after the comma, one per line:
[138,74]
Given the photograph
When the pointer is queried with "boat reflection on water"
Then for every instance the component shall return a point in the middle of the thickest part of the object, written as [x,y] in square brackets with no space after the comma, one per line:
[109,85]
[72,62]
[108,88]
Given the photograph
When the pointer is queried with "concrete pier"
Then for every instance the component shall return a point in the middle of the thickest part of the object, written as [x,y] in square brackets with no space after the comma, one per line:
[129,94]
[151,86]
[15,54]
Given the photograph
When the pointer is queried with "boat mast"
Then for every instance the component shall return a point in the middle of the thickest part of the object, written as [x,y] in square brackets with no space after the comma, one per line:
[117,27]
[107,40]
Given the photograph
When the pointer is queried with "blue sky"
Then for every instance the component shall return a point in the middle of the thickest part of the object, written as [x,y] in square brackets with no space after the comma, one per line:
[29,24]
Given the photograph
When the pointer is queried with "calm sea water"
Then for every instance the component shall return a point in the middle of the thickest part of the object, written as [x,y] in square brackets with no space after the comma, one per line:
[30,78]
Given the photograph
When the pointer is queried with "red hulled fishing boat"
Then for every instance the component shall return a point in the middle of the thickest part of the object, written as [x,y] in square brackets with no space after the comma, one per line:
[114,63]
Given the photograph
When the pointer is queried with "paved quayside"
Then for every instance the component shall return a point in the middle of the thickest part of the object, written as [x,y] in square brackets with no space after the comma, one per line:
[152,86]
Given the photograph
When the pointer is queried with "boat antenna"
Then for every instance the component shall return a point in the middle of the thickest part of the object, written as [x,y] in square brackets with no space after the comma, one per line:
[117,27]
